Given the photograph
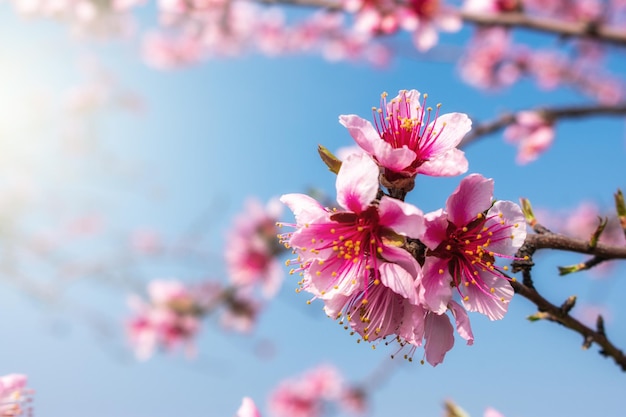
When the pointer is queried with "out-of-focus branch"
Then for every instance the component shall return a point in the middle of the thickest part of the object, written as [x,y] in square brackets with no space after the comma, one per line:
[549,113]
[588,30]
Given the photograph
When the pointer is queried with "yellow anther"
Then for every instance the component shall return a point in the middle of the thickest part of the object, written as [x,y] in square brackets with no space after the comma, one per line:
[464,229]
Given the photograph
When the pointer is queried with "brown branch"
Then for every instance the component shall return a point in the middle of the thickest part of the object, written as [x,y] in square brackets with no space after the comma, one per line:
[551,312]
[586,30]
[570,244]
[551,114]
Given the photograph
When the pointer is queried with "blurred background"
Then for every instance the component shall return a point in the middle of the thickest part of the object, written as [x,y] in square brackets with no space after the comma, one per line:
[118,168]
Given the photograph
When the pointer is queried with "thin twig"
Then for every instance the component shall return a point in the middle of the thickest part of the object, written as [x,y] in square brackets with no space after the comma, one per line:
[549,113]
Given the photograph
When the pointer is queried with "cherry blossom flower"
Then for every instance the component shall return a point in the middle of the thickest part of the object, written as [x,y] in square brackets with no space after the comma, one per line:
[464,242]
[408,139]
[248,408]
[172,316]
[251,248]
[14,395]
[491,61]
[340,252]
[533,134]
[307,394]
[425,17]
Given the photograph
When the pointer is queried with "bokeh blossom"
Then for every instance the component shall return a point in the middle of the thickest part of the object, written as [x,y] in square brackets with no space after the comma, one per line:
[252,251]
[464,242]
[532,133]
[313,392]
[170,318]
[14,395]
[248,408]
[408,139]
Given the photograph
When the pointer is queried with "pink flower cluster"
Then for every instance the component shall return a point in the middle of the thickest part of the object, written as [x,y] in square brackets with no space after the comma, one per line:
[493,61]
[251,249]
[14,395]
[381,265]
[173,314]
[309,394]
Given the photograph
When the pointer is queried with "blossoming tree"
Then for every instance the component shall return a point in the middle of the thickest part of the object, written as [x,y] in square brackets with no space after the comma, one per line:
[403,271]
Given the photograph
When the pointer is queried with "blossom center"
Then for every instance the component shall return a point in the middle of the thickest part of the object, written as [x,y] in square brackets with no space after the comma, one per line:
[400,125]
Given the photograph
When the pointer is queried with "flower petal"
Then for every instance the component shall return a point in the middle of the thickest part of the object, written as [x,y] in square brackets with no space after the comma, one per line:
[493,304]
[472,196]
[463,327]
[448,164]
[403,218]
[305,208]
[439,337]
[357,183]
[397,279]
[436,283]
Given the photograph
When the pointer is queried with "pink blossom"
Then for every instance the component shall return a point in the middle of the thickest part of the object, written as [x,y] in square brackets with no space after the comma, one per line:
[240,310]
[341,252]
[171,317]
[491,61]
[14,395]
[464,242]
[251,248]
[306,395]
[533,134]
[165,53]
[492,412]
[491,6]
[248,408]
[425,17]
[406,141]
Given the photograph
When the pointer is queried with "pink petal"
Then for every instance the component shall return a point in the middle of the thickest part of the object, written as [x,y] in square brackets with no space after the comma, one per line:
[512,215]
[362,131]
[403,218]
[453,126]
[493,305]
[357,183]
[398,280]
[248,409]
[472,196]
[436,284]
[436,223]
[304,208]
[463,327]
[449,164]
[368,138]
[439,336]
[404,259]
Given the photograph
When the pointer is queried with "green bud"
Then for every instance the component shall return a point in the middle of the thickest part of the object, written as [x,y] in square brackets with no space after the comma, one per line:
[332,162]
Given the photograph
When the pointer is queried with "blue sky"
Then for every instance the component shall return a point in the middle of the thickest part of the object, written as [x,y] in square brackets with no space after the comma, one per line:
[216,133]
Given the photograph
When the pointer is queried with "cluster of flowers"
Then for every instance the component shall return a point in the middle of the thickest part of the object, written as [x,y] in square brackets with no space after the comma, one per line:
[378,263]
[174,311]
[199,29]
[493,61]
[310,394]
[15,396]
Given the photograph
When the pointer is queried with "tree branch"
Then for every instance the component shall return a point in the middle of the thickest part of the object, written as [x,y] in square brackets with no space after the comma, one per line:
[587,30]
[551,312]
[549,113]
